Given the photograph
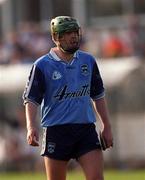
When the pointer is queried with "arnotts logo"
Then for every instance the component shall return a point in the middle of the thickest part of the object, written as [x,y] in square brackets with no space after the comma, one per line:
[64,94]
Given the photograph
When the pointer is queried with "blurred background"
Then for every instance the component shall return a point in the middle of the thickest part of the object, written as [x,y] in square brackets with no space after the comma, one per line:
[114,32]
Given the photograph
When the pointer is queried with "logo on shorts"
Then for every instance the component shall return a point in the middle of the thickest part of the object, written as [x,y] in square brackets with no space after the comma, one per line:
[51,147]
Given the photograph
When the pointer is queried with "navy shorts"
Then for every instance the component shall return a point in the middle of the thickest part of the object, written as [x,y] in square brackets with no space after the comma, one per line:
[64,142]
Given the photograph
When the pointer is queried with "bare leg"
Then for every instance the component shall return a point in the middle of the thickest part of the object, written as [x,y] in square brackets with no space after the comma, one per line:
[92,165]
[55,169]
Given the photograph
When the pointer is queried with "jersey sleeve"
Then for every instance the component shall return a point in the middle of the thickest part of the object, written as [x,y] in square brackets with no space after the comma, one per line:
[97,90]
[35,87]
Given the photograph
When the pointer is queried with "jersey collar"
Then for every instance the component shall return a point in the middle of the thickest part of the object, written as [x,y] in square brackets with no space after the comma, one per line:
[56,58]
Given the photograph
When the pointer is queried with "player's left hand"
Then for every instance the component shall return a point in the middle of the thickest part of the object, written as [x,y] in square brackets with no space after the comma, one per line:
[107,136]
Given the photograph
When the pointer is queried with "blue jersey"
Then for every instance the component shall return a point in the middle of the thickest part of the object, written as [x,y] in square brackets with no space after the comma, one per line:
[65,90]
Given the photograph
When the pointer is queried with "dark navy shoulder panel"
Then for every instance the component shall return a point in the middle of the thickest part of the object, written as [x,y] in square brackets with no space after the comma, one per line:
[97,87]
[35,87]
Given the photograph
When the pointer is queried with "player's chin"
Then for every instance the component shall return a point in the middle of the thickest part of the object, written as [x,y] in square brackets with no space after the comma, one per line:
[71,50]
[74,47]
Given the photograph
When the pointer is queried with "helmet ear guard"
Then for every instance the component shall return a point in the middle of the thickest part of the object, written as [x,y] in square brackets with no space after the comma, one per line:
[55,37]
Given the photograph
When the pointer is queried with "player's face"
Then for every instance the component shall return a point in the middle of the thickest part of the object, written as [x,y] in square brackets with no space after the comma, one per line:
[69,41]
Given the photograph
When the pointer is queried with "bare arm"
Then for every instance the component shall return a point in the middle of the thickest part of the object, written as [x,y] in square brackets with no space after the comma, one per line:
[102,111]
[32,132]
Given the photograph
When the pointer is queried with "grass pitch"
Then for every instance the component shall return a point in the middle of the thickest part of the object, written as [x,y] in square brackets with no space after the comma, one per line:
[77,175]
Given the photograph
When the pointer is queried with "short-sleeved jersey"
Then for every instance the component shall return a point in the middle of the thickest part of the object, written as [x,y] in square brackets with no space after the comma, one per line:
[65,90]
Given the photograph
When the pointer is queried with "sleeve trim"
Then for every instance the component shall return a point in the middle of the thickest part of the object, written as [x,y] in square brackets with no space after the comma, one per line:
[31,81]
[102,95]
[30,100]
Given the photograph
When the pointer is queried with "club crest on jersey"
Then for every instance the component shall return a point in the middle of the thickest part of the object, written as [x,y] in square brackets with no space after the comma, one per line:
[56,75]
[84,69]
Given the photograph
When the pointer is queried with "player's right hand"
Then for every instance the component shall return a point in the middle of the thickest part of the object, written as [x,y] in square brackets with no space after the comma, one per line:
[32,137]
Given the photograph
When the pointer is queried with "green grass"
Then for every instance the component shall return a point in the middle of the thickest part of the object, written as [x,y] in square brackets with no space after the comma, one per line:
[76,175]
[125,175]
